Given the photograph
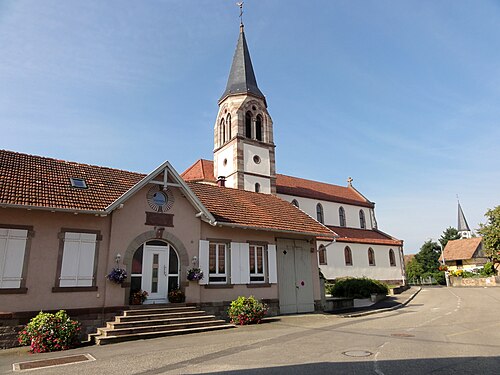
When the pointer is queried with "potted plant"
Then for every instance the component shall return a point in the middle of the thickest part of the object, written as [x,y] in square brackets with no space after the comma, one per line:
[194,274]
[139,297]
[117,275]
[176,296]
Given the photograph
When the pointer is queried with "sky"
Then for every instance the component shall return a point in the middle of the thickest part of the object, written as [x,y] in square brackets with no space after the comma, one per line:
[401,96]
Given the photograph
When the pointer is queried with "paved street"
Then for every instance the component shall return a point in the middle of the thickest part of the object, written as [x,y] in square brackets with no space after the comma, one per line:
[441,331]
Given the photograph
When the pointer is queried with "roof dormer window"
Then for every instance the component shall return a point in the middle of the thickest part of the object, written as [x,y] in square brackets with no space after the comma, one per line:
[78,183]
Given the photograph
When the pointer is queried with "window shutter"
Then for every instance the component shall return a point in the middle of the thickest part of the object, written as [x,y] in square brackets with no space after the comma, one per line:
[271,256]
[12,248]
[203,260]
[86,259]
[245,263]
[235,263]
[69,267]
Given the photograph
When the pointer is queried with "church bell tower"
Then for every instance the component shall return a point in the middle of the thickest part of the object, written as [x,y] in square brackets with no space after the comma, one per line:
[244,150]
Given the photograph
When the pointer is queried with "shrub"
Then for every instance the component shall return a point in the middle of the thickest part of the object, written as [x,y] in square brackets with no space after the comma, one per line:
[176,296]
[50,332]
[245,310]
[488,269]
[357,287]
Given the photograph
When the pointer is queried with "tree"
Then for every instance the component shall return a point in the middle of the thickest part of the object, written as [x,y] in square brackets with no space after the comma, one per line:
[428,256]
[491,233]
[414,269]
[448,235]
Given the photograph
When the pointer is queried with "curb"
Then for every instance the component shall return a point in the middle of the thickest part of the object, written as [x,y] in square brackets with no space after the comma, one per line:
[371,312]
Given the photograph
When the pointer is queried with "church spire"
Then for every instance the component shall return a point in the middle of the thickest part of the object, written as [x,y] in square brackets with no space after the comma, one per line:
[241,77]
[463,227]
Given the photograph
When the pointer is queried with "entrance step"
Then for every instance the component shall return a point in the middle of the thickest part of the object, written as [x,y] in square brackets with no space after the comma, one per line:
[152,322]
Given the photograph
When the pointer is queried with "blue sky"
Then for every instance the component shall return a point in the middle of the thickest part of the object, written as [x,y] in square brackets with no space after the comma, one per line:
[402,96]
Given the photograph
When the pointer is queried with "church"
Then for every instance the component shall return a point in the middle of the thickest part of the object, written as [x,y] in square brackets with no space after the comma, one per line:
[65,225]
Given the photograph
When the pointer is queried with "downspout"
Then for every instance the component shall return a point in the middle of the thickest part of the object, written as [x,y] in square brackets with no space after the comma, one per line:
[110,226]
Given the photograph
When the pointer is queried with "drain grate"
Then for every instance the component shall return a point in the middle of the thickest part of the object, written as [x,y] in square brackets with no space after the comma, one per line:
[357,353]
[402,335]
[52,362]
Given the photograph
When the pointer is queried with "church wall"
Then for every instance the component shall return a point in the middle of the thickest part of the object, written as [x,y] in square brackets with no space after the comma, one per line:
[263,167]
[382,270]
[331,211]
[265,183]
[227,154]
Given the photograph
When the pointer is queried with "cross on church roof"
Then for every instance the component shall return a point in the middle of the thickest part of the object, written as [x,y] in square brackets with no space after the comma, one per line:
[349,181]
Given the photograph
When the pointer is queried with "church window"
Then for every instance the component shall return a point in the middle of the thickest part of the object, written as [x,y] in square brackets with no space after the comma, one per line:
[256,159]
[392,258]
[342,216]
[258,128]
[348,256]
[319,213]
[222,132]
[322,255]
[362,222]
[228,125]
[371,257]
[248,124]
[295,203]
[257,187]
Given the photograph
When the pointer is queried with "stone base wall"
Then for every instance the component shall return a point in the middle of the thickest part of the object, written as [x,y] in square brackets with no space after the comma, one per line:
[473,281]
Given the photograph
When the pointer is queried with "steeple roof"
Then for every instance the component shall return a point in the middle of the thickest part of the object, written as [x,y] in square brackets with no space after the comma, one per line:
[462,222]
[241,77]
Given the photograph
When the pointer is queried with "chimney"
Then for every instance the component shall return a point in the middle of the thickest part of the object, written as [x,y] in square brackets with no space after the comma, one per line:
[221,181]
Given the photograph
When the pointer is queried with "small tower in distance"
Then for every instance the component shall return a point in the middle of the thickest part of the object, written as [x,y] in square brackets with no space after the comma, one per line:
[244,150]
[463,228]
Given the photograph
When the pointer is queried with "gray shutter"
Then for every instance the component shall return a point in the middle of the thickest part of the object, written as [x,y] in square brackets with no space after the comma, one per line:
[271,258]
[235,263]
[203,260]
[245,263]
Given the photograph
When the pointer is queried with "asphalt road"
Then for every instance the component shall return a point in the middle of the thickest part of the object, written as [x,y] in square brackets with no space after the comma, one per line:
[441,331]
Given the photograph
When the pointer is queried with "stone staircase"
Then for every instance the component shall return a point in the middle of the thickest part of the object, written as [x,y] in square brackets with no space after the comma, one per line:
[150,321]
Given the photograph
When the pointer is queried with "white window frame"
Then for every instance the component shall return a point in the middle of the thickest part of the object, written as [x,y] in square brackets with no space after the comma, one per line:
[80,241]
[218,274]
[254,273]
[12,257]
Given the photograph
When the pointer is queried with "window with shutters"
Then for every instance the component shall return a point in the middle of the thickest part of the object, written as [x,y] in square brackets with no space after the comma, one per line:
[217,263]
[258,263]
[79,259]
[13,256]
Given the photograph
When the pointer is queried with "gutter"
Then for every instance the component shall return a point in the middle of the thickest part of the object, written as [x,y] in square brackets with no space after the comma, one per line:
[53,209]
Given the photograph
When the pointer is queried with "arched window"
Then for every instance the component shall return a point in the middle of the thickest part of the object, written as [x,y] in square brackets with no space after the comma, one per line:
[371,257]
[322,255]
[222,132]
[342,216]
[319,213]
[362,222]
[348,256]
[248,124]
[228,126]
[258,128]
[257,187]
[295,203]
[392,258]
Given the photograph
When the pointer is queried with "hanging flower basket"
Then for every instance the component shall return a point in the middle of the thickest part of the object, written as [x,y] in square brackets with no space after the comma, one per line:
[194,274]
[117,275]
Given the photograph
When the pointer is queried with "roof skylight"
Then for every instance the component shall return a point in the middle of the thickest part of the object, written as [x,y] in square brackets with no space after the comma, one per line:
[78,183]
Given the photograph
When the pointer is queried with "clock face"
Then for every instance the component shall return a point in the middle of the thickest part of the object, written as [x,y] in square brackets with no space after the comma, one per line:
[160,200]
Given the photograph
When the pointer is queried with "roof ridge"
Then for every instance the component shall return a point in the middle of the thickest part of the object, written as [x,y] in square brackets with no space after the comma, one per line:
[308,179]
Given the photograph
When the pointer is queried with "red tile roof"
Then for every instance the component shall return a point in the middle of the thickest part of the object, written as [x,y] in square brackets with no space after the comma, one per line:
[461,249]
[36,181]
[256,210]
[203,171]
[373,237]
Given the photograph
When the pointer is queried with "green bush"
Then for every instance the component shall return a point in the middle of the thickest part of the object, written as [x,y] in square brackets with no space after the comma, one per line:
[357,288]
[488,270]
[50,332]
[245,310]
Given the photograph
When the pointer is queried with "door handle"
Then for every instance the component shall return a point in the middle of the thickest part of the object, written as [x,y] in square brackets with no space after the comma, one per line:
[165,270]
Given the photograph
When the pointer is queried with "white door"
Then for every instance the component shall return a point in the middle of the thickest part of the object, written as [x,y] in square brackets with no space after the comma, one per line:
[160,272]
[294,277]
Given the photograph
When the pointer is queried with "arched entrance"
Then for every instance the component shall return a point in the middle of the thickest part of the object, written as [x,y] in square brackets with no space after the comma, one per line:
[155,269]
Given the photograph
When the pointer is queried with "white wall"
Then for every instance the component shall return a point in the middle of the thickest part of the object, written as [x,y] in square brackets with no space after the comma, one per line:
[331,211]
[262,168]
[265,183]
[382,270]
[227,153]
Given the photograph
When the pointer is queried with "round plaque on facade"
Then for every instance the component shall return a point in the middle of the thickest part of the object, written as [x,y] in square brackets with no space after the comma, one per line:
[160,199]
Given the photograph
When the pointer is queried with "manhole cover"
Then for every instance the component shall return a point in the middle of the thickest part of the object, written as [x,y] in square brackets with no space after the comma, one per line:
[357,353]
[402,335]
[44,363]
